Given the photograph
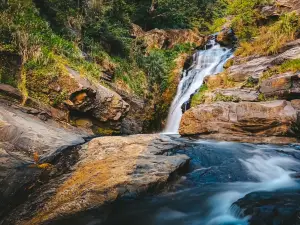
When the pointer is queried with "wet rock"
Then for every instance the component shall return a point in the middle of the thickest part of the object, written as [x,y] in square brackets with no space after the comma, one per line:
[108,168]
[281,207]
[226,37]
[284,86]
[262,119]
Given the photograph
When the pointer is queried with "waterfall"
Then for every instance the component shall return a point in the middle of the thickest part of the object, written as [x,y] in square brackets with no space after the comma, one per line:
[205,62]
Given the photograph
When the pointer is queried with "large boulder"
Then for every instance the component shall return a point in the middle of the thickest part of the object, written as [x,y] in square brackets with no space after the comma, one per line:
[103,104]
[89,103]
[24,130]
[280,207]
[284,86]
[256,119]
[107,168]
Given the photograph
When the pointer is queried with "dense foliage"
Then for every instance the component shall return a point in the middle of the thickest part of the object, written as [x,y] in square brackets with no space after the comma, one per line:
[95,36]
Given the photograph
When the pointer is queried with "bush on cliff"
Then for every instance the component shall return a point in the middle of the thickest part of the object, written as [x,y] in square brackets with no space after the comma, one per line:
[271,38]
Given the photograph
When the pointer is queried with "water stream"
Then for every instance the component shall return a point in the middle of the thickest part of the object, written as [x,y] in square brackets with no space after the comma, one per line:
[220,174]
[205,62]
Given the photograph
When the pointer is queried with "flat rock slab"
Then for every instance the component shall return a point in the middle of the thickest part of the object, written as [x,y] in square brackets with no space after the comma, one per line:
[108,168]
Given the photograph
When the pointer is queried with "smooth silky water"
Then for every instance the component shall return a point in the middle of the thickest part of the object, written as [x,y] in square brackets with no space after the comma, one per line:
[220,173]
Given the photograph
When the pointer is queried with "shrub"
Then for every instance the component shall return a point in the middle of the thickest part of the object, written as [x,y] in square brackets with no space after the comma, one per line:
[270,39]
[199,97]
[226,98]
[287,66]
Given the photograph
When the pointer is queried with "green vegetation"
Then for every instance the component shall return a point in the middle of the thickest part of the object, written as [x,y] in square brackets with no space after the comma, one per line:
[287,66]
[271,38]
[199,97]
[263,98]
[226,98]
[49,35]
[250,83]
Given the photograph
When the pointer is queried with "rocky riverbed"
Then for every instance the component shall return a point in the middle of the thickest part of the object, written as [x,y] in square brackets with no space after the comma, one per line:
[53,174]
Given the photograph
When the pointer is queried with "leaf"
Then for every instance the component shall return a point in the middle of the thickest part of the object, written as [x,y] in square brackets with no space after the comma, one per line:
[44,166]
[36,157]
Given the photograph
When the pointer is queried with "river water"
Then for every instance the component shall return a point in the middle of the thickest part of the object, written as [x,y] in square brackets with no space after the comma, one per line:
[226,183]
[220,174]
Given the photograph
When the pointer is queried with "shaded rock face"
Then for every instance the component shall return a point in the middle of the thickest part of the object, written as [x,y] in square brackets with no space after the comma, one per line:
[286,86]
[102,106]
[107,168]
[24,132]
[134,121]
[262,119]
[268,208]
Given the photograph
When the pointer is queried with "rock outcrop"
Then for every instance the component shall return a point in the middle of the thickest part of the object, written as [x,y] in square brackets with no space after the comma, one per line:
[284,86]
[166,39]
[235,94]
[107,168]
[226,37]
[104,108]
[255,66]
[270,207]
[24,130]
[253,119]
[289,5]
[76,99]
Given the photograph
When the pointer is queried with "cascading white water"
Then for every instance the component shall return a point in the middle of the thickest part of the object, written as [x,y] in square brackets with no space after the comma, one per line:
[205,62]
[272,172]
